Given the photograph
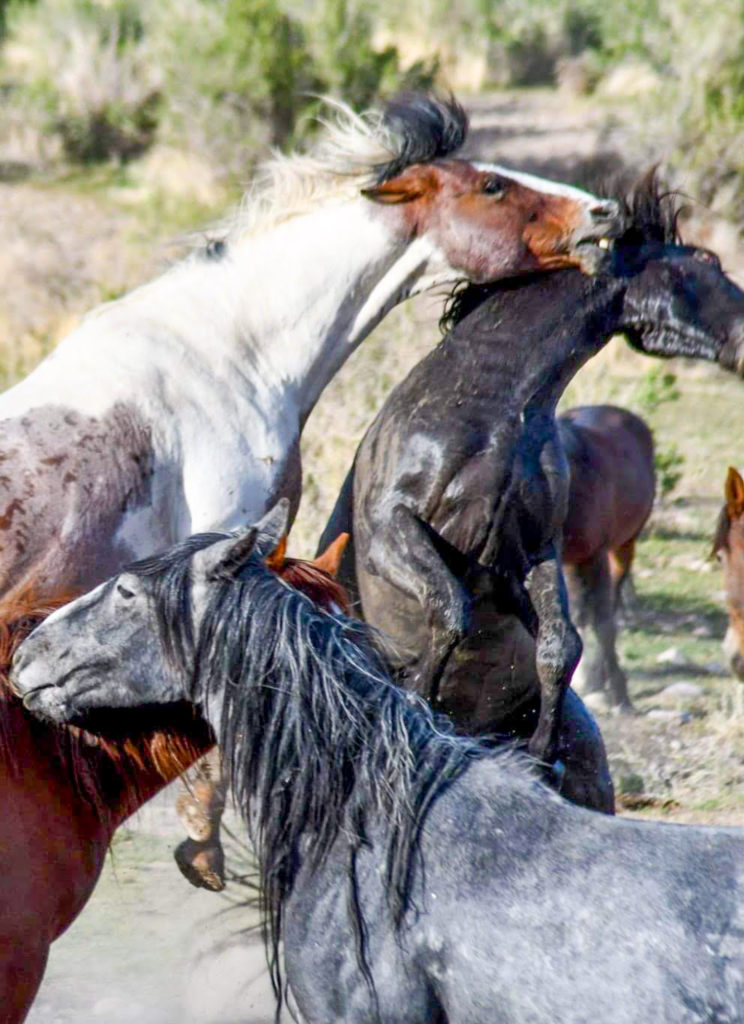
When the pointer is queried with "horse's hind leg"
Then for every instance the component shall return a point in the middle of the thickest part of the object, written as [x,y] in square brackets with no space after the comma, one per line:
[410,556]
[582,584]
[557,651]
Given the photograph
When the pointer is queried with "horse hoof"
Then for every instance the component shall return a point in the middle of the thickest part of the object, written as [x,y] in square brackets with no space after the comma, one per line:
[625,708]
[193,817]
[200,864]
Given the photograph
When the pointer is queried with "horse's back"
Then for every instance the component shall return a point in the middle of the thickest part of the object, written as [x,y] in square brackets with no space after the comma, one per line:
[508,915]
[611,457]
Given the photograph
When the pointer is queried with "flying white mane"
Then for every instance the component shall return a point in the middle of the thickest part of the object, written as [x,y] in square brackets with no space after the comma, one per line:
[354,151]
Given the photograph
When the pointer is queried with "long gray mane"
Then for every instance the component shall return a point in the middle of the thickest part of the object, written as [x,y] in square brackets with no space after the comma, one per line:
[315,736]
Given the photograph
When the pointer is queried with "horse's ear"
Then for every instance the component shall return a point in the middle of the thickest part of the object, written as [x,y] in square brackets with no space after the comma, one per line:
[275,560]
[412,184]
[235,557]
[273,527]
[330,560]
[734,493]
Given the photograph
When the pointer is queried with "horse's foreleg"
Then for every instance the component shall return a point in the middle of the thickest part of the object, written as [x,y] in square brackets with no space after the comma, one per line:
[21,972]
[409,558]
[557,651]
[599,599]
[603,623]
[200,857]
[623,590]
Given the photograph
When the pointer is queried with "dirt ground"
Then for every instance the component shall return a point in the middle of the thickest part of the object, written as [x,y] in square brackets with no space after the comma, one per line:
[149,948]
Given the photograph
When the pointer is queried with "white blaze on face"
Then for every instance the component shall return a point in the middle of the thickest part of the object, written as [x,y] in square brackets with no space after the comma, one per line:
[533,181]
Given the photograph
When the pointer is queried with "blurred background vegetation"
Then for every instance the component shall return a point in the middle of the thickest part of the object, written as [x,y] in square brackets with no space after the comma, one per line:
[89,81]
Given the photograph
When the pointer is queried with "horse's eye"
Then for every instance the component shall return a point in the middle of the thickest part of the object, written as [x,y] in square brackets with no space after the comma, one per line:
[494,186]
[706,256]
[123,592]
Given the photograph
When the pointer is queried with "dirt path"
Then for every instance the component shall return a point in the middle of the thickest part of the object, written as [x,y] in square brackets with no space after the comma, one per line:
[151,949]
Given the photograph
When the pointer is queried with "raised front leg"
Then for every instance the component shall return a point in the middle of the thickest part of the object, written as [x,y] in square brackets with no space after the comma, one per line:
[557,651]
[411,557]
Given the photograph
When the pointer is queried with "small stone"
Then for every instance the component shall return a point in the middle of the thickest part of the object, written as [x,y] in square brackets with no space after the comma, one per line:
[716,668]
[673,656]
[672,717]
[702,630]
[689,691]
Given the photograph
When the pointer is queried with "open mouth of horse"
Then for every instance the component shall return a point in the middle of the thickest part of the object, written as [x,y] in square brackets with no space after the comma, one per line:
[658,339]
[594,255]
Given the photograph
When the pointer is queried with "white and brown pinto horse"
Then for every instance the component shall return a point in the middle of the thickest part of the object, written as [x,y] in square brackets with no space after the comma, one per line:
[178,408]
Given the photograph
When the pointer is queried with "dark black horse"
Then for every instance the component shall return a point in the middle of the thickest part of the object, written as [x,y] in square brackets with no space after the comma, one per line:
[458,491]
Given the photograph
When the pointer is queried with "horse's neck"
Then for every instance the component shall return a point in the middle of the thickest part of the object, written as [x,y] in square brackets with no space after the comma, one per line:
[314,287]
[549,335]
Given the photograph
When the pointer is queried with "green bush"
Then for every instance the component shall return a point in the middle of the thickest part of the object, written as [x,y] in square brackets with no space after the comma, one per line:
[221,78]
[83,70]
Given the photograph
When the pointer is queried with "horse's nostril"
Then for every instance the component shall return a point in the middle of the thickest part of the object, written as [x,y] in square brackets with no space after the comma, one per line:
[606,210]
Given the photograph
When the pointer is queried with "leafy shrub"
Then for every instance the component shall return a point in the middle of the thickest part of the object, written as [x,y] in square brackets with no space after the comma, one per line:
[655,388]
[669,463]
[220,78]
[82,66]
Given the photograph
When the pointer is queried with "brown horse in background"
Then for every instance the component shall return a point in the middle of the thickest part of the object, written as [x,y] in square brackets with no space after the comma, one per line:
[63,793]
[610,453]
[728,547]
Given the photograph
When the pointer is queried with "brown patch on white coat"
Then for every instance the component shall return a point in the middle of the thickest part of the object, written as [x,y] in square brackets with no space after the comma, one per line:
[68,482]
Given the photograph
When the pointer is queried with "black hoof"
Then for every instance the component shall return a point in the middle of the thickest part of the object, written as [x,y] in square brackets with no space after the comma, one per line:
[202,864]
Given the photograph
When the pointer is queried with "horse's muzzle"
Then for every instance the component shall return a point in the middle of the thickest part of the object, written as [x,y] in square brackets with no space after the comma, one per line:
[731,355]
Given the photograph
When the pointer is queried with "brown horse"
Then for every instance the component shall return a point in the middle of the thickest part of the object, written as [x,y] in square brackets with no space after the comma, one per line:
[728,547]
[610,453]
[63,793]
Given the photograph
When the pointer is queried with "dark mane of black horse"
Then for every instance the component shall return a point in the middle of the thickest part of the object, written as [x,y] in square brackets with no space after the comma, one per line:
[315,736]
[424,128]
[650,213]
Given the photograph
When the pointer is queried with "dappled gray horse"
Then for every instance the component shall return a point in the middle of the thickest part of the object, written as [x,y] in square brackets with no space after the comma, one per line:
[412,876]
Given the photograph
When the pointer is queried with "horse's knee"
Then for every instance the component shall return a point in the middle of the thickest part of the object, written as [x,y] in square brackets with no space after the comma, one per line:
[558,653]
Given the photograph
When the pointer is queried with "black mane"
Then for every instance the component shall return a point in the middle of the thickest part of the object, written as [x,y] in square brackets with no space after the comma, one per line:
[425,128]
[315,736]
[650,213]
